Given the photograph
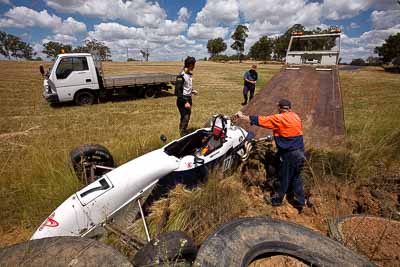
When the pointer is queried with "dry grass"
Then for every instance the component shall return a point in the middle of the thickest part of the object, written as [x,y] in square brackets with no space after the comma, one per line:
[35,139]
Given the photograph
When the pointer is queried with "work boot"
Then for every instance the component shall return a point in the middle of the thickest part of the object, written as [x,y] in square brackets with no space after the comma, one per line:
[273,201]
[244,103]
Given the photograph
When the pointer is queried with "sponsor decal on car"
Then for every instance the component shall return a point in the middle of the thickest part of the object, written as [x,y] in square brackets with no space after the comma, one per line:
[49,222]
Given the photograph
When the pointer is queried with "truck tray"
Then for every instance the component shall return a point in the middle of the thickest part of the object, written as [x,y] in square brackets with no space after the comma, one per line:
[137,79]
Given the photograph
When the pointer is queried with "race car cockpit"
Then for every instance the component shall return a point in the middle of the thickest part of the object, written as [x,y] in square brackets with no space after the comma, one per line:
[201,142]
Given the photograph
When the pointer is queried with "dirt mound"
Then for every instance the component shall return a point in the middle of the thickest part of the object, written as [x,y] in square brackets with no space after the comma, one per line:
[315,96]
[375,237]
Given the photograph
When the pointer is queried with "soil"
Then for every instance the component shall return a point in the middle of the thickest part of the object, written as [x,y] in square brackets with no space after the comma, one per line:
[278,261]
[376,238]
[315,96]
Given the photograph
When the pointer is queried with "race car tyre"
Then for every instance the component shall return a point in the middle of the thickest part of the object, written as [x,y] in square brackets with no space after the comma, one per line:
[240,242]
[86,155]
[62,251]
[85,97]
[168,247]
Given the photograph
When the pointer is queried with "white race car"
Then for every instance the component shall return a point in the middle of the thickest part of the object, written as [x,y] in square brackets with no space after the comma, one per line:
[113,196]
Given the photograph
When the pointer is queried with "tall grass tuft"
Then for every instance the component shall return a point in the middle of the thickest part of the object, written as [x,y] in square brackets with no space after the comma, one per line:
[201,211]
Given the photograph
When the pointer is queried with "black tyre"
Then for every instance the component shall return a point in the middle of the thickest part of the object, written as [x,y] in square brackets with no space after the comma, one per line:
[84,156]
[83,98]
[240,242]
[167,247]
[150,92]
[62,251]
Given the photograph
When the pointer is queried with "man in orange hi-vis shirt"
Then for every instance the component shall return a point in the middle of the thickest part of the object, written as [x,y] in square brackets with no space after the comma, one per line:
[288,134]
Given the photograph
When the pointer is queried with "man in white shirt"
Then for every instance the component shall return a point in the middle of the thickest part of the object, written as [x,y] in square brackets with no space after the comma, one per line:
[184,100]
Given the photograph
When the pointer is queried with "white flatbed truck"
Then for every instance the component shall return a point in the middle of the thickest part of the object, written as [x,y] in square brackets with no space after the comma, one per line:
[78,77]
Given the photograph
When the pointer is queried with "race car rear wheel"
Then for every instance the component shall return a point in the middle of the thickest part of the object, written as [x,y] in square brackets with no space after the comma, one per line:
[84,157]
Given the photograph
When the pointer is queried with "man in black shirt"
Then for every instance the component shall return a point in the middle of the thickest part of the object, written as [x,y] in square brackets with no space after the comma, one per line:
[250,79]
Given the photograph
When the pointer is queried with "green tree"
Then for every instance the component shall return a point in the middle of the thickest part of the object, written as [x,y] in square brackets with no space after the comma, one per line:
[216,46]
[390,49]
[52,49]
[374,61]
[9,44]
[262,49]
[358,62]
[239,38]
[281,43]
[13,46]
[94,47]
[97,48]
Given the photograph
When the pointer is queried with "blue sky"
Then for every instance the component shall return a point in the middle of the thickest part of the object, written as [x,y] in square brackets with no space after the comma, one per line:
[175,29]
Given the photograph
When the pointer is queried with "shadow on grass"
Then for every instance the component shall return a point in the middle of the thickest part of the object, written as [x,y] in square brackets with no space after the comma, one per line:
[114,99]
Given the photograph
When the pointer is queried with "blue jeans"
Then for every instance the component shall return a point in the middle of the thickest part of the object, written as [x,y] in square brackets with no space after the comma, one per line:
[290,181]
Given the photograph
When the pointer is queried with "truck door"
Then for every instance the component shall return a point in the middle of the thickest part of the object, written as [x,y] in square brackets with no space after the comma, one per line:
[71,75]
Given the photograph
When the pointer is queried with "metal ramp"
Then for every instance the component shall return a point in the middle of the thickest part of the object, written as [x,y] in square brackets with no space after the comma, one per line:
[315,95]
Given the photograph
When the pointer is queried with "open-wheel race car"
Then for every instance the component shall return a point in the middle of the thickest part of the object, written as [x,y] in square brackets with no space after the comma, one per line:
[111,194]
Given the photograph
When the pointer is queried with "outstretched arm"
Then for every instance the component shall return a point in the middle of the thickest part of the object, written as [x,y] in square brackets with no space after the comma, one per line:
[240,115]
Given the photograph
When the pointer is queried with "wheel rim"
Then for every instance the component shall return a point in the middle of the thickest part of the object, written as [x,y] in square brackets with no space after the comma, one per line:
[85,99]
[149,93]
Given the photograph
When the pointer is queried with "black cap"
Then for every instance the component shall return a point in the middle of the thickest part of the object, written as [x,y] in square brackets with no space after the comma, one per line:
[284,104]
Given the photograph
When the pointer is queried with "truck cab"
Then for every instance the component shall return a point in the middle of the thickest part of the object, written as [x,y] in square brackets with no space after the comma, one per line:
[72,77]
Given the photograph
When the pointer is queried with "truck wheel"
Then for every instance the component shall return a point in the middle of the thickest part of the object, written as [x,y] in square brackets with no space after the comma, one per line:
[83,98]
[150,92]
[242,241]
[84,156]
[167,247]
[62,251]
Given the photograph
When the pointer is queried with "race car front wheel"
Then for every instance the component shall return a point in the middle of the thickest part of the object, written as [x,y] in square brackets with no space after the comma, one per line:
[86,157]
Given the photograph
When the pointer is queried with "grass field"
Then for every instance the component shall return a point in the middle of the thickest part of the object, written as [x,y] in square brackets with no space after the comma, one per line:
[35,139]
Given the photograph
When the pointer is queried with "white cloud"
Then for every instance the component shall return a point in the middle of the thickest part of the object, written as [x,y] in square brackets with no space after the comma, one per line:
[199,31]
[61,38]
[169,28]
[364,45]
[215,19]
[163,42]
[385,19]
[38,48]
[138,12]
[114,31]
[341,9]
[22,17]
[269,17]
[183,14]
[217,12]
[354,25]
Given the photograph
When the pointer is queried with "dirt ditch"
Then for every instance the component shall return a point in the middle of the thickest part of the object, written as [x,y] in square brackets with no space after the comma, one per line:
[375,237]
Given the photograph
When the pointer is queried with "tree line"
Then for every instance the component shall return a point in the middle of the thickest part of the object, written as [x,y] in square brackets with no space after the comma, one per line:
[99,49]
[267,48]
[12,47]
